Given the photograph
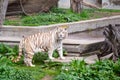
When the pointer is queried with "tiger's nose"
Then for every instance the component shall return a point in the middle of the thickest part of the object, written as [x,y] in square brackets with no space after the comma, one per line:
[61,35]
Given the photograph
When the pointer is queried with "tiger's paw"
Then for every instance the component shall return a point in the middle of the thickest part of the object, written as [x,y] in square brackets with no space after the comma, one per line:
[51,58]
[62,58]
[32,65]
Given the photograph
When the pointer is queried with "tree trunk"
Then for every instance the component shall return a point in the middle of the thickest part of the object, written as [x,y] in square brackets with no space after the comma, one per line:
[76,5]
[112,42]
[3,8]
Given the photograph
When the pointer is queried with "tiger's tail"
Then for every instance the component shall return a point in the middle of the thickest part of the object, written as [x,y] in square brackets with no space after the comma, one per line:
[19,54]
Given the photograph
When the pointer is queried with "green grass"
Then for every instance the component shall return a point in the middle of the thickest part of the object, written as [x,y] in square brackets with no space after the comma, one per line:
[57,15]
[108,10]
[75,70]
[8,68]
[19,71]
[101,70]
[41,70]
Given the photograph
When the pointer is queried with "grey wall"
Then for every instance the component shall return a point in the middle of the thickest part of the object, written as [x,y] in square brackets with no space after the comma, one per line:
[64,4]
[107,5]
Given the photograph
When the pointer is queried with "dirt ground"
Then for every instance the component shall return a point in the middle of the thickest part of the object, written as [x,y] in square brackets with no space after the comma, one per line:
[105,14]
[47,77]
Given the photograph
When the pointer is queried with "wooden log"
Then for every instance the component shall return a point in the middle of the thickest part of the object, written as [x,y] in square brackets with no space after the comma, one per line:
[76,5]
[3,8]
[14,13]
[112,42]
[90,5]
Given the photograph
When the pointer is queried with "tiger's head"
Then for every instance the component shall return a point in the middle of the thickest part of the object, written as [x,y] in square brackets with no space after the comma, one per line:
[62,33]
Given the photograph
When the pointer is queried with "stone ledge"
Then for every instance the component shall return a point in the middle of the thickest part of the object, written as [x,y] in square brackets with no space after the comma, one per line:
[73,26]
[88,59]
[82,46]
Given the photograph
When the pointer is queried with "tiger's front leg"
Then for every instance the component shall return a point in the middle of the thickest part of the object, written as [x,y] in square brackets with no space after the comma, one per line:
[28,59]
[60,51]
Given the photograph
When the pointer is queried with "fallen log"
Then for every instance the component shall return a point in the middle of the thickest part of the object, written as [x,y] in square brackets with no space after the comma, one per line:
[90,5]
[112,42]
[77,5]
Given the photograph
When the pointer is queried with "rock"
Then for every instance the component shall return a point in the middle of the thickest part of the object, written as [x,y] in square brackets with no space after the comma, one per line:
[82,46]
[30,6]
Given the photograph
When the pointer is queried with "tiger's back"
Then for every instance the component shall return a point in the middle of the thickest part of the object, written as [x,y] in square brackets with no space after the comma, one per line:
[37,41]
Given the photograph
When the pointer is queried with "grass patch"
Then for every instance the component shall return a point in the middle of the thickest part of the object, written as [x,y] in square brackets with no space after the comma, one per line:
[57,15]
[41,70]
[22,72]
[19,71]
[101,70]
[75,70]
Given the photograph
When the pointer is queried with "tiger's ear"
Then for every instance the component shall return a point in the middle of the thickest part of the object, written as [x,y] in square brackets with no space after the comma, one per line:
[64,26]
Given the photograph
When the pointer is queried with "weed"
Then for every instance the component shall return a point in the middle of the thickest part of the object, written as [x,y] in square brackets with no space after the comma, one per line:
[75,70]
[101,70]
[6,51]
[10,73]
[18,71]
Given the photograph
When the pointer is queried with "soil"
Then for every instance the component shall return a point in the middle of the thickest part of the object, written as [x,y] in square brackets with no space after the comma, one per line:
[104,14]
[47,77]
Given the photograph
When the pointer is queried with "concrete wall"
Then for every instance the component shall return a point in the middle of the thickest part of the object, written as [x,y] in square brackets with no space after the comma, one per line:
[73,27]
[64,4]
[107,5]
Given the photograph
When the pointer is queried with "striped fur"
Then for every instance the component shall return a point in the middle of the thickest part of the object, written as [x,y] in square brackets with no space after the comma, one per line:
[43,41]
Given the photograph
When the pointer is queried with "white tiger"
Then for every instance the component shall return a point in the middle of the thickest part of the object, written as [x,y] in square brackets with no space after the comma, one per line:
[43,41]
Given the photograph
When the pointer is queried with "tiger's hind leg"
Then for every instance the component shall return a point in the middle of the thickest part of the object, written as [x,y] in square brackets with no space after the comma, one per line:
[50,53]
[28,59]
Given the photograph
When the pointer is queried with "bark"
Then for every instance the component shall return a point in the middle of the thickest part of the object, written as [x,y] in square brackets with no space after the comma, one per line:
[76,5]
[3,8]
[112,42]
